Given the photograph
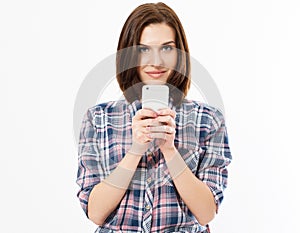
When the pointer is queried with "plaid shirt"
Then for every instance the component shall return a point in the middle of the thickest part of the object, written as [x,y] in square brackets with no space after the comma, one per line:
[151,202]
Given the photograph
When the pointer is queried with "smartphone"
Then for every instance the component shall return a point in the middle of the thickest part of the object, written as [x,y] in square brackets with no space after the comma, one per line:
[155,97]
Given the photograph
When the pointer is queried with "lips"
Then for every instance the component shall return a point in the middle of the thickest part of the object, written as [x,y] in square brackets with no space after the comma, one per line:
[156,74]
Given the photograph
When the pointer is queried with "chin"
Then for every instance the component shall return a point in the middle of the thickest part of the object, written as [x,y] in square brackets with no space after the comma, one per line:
[157,82]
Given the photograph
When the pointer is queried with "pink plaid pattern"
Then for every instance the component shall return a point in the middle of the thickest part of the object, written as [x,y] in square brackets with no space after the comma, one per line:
[152,203]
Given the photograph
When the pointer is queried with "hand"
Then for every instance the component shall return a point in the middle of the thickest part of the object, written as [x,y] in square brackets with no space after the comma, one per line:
[141,137]
[164,129]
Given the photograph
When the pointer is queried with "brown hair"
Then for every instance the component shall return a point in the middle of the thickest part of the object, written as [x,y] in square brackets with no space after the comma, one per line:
[127,56]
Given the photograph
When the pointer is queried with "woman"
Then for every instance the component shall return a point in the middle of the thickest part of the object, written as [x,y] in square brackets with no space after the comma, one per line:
[146,171]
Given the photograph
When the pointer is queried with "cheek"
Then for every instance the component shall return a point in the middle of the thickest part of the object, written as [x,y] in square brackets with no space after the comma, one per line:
[171,62]
[140,71]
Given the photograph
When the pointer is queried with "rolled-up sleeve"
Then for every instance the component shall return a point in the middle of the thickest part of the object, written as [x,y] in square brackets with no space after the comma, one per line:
[216,157]
[89,167]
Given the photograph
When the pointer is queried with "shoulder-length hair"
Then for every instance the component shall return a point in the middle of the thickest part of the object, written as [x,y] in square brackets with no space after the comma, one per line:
[127,55]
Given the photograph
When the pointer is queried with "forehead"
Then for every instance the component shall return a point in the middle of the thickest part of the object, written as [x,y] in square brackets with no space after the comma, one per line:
[155,34]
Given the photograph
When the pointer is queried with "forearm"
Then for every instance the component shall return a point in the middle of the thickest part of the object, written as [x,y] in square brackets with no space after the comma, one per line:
[195,194]
[105,197]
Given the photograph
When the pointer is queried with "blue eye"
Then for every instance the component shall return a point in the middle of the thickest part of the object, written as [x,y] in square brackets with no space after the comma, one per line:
[167,48]
[143,49]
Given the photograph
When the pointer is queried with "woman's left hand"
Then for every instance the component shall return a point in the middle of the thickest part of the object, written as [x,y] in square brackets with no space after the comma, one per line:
[165,129]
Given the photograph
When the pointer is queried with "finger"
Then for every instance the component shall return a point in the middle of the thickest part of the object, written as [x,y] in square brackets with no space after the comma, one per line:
[144,137]
[145,113]
[163,136]
[166,120]
[148,122]
[139,123]
[167,111]
[147,138]
[159,135]
[161,129]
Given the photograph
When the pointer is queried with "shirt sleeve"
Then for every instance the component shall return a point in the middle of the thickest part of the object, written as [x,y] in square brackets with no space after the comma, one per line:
[89,167]
[216,157]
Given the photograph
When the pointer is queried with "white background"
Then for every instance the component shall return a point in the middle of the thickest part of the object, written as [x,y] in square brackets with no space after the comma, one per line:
[250,48]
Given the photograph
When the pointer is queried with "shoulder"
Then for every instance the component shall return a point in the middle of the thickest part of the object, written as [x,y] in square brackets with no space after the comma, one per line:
[98,114]
[200,107]
[108,107]
[205,111]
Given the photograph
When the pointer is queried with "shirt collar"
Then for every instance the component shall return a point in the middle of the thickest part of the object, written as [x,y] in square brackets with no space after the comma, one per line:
[134,106]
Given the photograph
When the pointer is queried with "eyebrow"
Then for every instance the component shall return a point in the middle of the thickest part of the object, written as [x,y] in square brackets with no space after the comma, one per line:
[165,43]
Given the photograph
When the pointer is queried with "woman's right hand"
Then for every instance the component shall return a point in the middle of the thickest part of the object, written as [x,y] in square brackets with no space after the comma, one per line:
[141,136]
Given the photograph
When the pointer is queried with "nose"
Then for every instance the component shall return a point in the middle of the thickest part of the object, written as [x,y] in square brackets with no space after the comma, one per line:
[156,58]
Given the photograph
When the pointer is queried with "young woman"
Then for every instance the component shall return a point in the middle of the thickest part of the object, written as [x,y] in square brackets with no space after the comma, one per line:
[146,171]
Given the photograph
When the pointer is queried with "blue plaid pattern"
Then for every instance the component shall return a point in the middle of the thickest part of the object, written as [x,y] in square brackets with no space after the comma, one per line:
[152,203]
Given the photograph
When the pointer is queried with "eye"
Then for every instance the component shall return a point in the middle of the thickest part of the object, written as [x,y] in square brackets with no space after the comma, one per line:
[143,49]
[167,48]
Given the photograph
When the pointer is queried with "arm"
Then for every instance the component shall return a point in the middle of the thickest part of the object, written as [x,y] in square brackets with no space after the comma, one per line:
[201,192]
[104,197]
[195,194]
[100,195]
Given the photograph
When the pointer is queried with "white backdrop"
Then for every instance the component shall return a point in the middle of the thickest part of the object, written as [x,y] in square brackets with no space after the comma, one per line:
[250,48]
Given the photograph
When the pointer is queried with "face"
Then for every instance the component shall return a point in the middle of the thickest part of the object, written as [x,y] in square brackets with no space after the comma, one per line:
[157,53]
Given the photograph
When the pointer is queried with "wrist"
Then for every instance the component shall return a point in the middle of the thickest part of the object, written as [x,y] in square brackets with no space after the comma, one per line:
[176,165]
[138,149]
[120,177]
[130,161]
[169,153]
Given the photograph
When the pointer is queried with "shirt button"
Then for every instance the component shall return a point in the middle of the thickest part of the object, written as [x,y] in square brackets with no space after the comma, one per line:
[147,207]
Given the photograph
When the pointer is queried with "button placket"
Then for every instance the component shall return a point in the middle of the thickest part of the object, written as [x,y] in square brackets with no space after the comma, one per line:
[150,165]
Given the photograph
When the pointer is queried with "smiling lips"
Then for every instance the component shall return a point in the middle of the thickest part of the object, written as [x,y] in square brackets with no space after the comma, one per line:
[156,74]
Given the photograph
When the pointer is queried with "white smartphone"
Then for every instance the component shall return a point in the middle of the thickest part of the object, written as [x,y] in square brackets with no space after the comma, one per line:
[155,97]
